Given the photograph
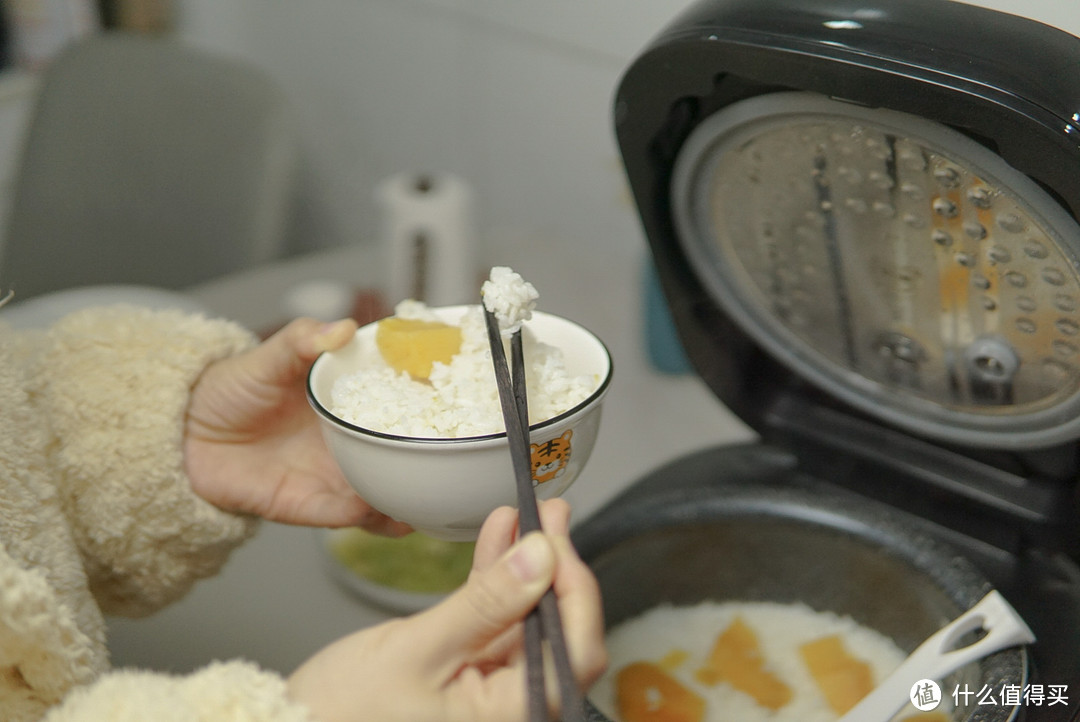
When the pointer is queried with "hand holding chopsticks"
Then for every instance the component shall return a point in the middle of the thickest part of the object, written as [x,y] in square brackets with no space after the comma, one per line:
[544,622]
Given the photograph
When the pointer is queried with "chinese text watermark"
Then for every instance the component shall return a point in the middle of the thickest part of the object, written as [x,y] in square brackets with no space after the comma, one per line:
[926,695]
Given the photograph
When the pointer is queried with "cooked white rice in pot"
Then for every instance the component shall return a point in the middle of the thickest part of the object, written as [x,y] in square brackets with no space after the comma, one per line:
[680,638]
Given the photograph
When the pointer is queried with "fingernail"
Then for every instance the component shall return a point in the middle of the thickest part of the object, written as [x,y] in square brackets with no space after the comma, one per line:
[531,557]
[328,328]
[325,335]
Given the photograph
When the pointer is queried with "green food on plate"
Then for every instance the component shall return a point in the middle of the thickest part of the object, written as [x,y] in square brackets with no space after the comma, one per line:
[414,563]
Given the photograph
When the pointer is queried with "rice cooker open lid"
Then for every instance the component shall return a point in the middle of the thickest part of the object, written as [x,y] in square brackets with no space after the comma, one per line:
[870,207]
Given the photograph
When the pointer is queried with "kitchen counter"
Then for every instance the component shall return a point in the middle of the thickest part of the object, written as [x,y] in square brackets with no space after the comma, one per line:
[274,603]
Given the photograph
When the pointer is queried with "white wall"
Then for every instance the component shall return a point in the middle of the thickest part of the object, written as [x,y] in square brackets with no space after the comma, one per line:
[514,96]
[1064,14]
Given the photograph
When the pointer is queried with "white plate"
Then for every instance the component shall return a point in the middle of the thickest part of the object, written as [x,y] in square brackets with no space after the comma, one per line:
[388,598]
[41,311]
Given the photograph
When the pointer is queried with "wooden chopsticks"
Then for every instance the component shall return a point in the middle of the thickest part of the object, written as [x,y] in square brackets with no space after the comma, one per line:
[544,622]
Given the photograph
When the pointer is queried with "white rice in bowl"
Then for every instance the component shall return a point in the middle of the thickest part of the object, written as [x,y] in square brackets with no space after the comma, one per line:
[460,398]
[780,630]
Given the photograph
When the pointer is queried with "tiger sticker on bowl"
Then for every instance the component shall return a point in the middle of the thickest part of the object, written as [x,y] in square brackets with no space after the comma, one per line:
[549,458]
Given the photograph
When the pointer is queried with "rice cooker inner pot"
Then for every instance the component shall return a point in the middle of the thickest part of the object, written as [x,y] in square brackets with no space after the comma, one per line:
[738,524]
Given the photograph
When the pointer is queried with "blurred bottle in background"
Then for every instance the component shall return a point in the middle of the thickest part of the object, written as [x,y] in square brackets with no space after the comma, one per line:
[663,347]
[429,236]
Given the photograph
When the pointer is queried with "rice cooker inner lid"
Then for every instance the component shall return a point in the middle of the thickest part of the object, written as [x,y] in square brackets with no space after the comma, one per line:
[892,261]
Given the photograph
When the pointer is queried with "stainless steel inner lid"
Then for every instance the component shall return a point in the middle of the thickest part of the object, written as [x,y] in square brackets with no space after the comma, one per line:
[894,262]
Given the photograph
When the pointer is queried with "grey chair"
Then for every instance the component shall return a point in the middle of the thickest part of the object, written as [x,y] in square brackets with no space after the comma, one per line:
[147,162]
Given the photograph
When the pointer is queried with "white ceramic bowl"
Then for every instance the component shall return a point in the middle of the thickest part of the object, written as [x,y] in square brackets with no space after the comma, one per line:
[446,487]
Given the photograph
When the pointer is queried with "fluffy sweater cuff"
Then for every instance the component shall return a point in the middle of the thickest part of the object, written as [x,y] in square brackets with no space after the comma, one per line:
[115,384]
[222,691]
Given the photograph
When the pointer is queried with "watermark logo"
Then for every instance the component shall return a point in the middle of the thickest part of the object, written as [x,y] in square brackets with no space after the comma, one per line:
[925,695]
[1034,695]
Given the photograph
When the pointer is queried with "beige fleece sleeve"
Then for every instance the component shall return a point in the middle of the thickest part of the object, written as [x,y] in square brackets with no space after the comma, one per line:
[223,691]
[114,384]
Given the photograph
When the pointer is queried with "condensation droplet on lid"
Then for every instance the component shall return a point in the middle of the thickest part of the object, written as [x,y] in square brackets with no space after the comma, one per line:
[999,254]
[886,210]
[965,259]
[907,277]
[980,282]
[1035,249]
[912,159]
[1016,279]
[1011,222]
[912,191]
[914,220]
[881,180]
[1026,325]
[989,304]
[1067,326]
[1065,302]
[947,176]
[942,238]
[975,231]
[1064,349]
[883,154]
[945,208]
[979,197]
[856,205]
[897,346]
[1056,372]
[1053,276]
[826,206]
[1026,304]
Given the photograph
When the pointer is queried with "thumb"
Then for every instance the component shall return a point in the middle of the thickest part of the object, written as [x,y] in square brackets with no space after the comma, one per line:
[492,600]
[288,353]
[332,336]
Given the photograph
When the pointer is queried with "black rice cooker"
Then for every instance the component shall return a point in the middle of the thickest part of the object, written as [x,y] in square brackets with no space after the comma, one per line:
[865,218]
